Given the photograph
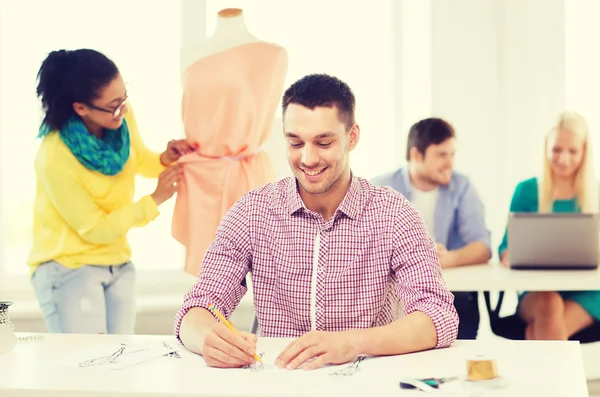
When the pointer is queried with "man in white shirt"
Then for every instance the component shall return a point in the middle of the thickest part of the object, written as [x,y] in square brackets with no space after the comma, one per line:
[450,206]
[426,202]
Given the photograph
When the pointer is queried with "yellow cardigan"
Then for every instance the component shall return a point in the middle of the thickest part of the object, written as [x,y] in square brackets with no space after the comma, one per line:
[82,216]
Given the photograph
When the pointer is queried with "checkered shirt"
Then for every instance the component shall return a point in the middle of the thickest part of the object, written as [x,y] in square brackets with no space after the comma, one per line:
[375,262]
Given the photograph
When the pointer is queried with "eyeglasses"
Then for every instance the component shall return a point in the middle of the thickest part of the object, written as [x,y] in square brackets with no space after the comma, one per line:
[116,112]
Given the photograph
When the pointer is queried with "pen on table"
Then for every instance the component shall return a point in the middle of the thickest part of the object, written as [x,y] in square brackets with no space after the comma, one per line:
[230,326]
[425,383]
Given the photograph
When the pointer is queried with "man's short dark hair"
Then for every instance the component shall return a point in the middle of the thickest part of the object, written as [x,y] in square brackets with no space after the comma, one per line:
[427,132]
[322,90]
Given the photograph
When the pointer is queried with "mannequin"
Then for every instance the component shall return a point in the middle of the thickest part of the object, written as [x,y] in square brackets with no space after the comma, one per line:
[231,31]
[232,84]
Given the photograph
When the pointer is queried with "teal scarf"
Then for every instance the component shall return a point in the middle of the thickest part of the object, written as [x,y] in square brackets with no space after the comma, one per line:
[107,155]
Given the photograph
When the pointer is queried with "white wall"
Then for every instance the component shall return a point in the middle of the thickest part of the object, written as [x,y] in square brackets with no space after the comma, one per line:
[413,67]
[499,70]
[193,22]
[533,78]
[583,63]
[466,81]
[495,69]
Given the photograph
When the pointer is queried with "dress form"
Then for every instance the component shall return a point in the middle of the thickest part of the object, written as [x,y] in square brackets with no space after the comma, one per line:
[231,31]
[232,84]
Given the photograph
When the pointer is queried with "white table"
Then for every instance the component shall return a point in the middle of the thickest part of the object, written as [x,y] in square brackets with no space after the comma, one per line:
[494,277]
[528,368]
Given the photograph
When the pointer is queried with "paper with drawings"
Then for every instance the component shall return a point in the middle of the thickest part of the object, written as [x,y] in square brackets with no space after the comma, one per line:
[348,380]
[118,355]
[348,369]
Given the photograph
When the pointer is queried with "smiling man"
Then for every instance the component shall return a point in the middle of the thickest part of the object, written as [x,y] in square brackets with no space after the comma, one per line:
[449,204]
[344,267]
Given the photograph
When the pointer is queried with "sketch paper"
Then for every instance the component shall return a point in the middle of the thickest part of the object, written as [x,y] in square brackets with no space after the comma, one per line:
[349,369]
[273,381]
[335,370]
[118,356]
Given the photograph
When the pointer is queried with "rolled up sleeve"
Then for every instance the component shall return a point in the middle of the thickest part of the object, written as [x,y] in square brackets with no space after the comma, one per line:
[471,218]
[222,277]
[419,278]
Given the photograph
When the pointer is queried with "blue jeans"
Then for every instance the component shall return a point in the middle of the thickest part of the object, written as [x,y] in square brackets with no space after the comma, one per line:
[88,300]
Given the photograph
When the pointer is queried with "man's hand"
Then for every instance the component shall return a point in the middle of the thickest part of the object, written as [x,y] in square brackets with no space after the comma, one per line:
[441,249]
[324,347]
[447,258]
[224,349]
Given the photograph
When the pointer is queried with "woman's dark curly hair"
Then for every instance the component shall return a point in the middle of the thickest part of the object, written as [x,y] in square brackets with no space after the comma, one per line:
[66,77]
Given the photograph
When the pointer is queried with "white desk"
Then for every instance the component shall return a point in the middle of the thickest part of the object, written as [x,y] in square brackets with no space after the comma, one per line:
[529,369]
[494,277]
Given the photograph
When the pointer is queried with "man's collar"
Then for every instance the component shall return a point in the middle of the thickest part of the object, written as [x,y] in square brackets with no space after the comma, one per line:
[294,201]
[352,203]
[350,206]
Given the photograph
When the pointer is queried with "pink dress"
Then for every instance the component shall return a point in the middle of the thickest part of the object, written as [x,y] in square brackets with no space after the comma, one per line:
[229,102]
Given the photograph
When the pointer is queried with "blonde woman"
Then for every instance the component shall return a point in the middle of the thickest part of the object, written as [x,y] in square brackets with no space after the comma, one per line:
[567,184]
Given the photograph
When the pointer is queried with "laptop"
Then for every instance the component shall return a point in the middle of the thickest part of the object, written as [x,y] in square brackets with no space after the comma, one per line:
[553,241]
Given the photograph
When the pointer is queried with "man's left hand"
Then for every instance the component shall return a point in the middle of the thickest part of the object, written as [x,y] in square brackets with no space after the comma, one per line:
[175,149]
[322,348]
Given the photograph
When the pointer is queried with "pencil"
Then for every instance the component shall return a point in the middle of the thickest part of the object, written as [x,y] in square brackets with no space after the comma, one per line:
[230,326]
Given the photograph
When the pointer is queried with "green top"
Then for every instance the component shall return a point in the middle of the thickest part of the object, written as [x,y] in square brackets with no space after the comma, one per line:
[525,199]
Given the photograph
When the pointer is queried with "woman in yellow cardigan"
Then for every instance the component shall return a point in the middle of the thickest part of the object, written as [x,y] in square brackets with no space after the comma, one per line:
[90,153]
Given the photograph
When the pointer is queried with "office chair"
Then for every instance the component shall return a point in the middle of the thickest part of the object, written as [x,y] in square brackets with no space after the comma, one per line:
[512,327]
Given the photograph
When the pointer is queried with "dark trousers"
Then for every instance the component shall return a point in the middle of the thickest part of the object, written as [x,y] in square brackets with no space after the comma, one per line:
[468,314]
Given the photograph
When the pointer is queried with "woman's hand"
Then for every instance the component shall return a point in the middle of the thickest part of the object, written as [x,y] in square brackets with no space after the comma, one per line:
[504,259]
[175,149]
[168,183]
